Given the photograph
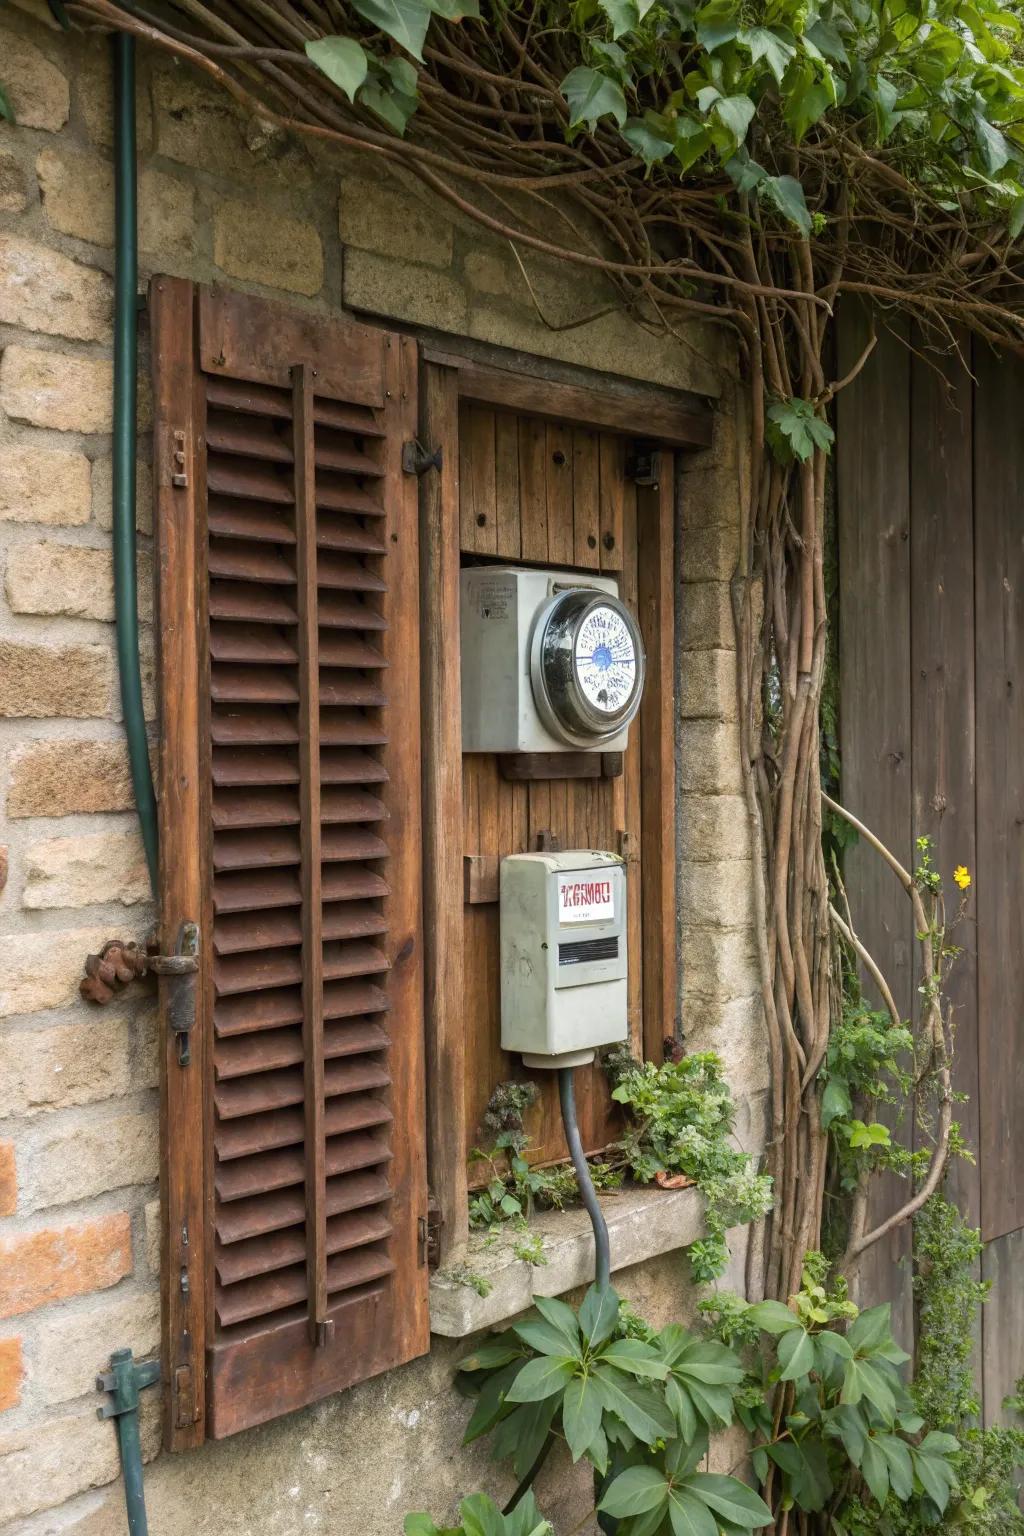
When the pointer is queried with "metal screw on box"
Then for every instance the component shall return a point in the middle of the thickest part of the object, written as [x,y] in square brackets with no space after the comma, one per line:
[124,1381]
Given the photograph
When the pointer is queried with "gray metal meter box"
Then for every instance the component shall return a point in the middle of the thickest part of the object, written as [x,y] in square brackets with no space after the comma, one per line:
[563,955]
[552,661]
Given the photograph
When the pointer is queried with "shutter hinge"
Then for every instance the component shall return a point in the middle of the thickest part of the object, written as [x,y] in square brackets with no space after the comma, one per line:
[643,464]
[179,972]
[416,459]
[429,1229]
[179,474]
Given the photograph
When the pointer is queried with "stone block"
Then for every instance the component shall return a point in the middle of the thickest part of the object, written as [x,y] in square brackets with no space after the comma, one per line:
[86,869]
[42,970]
[719,963]
[383,285]
[94,95]
[736,1030]
[42,1465]
[716,895]
[75,1346]
[50,389]
[152,1219]
[71,1260]
[198,124]
[714,827]
[13,186]
[705,617]
[261,246]
[12,1373]
[41,290]
[68,776]
[36,88]
[388,216]
[488,274]
[709,758]
[707,686]
[70,579]
[709,554]
[78,200]
[65,1064]
[8,1179]
[43,485]
[69,1161]
[38,681]
[103,494]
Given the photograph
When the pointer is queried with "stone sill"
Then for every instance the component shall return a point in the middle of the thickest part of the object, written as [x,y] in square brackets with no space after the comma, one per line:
[642,1223]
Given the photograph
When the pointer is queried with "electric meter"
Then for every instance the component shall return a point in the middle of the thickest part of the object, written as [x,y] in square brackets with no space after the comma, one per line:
[563,955]
[551,662]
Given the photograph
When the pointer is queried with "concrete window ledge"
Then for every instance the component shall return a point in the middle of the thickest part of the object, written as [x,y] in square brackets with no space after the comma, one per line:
[642,1223]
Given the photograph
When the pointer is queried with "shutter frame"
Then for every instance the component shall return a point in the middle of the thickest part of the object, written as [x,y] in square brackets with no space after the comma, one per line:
[303,545]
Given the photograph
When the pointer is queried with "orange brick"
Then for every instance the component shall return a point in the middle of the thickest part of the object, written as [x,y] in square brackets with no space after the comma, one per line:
[37,1267]
[12,1371]
[8,1179]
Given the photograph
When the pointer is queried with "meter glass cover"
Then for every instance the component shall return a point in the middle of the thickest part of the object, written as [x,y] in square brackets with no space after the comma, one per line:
[605,660]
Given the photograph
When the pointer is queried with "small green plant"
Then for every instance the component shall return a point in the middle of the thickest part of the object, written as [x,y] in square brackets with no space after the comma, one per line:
[480,1517]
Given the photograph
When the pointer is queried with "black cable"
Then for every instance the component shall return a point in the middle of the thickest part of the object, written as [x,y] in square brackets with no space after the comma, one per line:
[588,1194]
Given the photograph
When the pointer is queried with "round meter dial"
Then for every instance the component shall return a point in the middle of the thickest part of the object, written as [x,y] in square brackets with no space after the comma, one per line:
[587,666]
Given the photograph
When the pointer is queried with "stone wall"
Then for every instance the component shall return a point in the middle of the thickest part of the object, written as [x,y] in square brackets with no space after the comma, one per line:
[225,196]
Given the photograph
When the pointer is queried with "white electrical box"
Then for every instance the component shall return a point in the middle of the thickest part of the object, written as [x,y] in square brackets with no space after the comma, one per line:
[563,955]
[551,661]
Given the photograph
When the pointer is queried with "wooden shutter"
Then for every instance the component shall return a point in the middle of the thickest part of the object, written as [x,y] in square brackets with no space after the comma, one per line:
[290,831]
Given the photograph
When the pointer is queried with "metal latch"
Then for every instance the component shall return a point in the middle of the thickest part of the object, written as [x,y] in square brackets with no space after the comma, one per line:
[429,1233]
[416,459]
[179,970]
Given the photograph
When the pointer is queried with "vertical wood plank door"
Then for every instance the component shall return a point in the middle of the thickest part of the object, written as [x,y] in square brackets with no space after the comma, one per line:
[560,497]
[306,848]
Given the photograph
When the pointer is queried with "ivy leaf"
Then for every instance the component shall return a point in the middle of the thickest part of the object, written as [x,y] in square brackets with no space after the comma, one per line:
[787,195]
[735,113]
[794,430]
[716,24]
[455,10]
[391,106]
[1014,223]
[772,1317]
[995,150]
[622,14]
[634,1492]
[825,37]
[539,1379]
[647,143]
[404,20]
[688,1516]
[835,1102]
[796,1355]
[7,111]
[592,96]
[341,59]
[581,1415]
[599,1314]
[731,1499]
[768,45]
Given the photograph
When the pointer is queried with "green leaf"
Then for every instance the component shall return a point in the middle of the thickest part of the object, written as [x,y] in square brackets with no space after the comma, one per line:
[634,1492]
[561,1316]
[710,1362]
[681,1406]
[392,107]
[768,45]
[489,1356]
[644,141]
[935,1476]
[622,14]
[636,1357]
[731,1499]
[581,1415]
[592,96]
[419,1525]
[455,10]
[805,1464]
[935,1443]
[599,1314]
[639,1408]
[736,114]
[865,1380]
[871,1328]
[546,1338]
[995,150]
[341,59]
[787,195]
[875,1471]
[6,110]
[835,1102]
[1014,222]
[525,1519]
[713,1403]
[404,20]
[796,1355]
[832,1346]
[490,1405]
[689,1516]
[772,1317]
[480,1516]
[684,1456]
[539,1379]
[901,1469]
[828,42]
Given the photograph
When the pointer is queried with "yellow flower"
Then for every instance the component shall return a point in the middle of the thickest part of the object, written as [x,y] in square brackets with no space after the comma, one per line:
[962,876]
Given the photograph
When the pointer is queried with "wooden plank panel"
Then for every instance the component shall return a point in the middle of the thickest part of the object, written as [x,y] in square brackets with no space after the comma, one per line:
[612,490]
[1002,1324]
[477,499]
[999,884]
[586,499]
[533,494]
[559,471]
[627,815]
[442,809]
[655,516]
[310,861]
[942,647]
[509,544]
[873,491]
[183,1245]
